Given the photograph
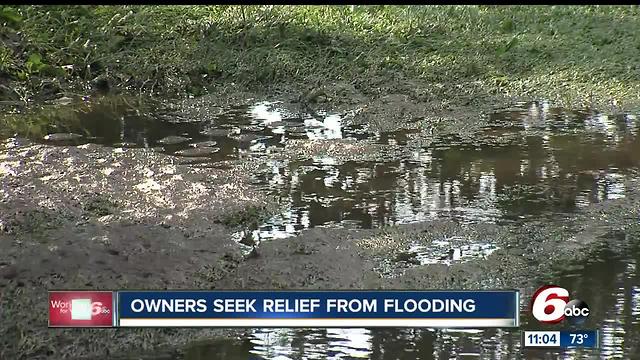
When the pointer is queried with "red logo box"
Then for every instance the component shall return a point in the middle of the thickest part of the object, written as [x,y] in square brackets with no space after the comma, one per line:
[81,308]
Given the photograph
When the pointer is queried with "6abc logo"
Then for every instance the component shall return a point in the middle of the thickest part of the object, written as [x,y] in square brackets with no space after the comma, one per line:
[550,304]
[97,308]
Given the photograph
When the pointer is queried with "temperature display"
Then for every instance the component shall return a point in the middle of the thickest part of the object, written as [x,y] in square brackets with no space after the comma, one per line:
[562,339]
[583,339]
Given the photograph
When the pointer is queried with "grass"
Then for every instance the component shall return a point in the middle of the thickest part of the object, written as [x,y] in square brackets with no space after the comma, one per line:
[556,52]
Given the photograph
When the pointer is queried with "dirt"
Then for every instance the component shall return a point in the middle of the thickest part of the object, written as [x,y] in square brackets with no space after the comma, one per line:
[93,217]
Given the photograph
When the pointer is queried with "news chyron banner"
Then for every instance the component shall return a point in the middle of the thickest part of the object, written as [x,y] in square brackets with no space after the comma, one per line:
[435,309]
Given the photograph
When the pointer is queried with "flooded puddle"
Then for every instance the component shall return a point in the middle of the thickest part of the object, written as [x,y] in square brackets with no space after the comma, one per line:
[239,132]
[530,161]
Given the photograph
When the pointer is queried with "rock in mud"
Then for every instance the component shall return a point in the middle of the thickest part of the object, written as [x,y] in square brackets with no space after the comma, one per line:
[173,140]
[126,145]
[198,151]
[278,124]
[216,132]
[298,130]
[249,137]
[293,124]
[62,137]
[210,143]
[253,128]
[62,101]
[298,136]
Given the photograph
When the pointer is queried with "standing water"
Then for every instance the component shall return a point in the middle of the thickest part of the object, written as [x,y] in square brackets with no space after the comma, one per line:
[532,161]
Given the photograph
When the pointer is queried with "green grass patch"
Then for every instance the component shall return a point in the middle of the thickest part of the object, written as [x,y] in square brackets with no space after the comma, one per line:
[557,52]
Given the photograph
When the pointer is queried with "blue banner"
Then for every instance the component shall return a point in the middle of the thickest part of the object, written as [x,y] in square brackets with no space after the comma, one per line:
[319,308]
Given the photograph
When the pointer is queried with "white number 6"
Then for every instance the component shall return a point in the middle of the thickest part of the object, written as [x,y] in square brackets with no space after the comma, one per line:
[541,301]
[96,308]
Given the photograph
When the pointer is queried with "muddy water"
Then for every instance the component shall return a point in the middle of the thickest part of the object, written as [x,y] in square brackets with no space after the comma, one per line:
[238,132]
[503,174]
[530,161]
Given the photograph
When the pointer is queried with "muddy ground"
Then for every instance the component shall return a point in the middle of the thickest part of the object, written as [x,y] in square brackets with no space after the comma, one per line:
[93,217]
